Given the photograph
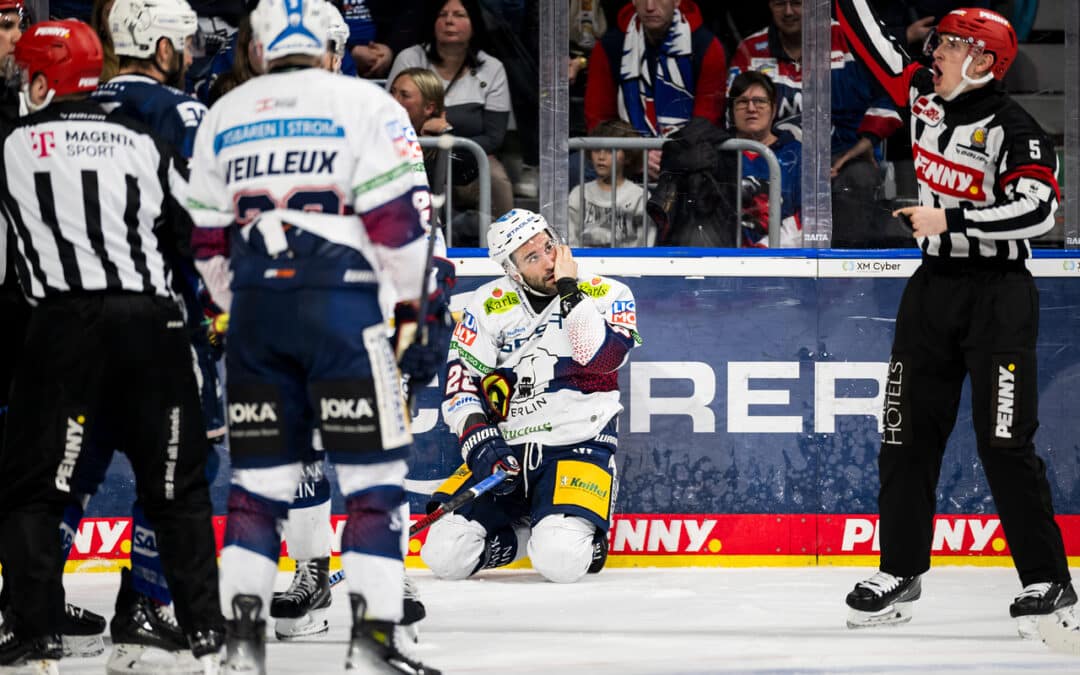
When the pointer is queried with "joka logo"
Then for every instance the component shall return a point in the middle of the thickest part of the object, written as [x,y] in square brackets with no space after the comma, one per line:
[42,142]
[1006,400]
[345,408]
[248,413]
[948,177]
[73,440]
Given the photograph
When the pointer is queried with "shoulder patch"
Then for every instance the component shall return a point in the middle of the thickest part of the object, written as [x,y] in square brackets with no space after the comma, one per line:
[594,288]
[501,301]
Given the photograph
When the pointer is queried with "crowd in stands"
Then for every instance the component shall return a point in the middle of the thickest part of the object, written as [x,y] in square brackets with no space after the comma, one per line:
[636,69]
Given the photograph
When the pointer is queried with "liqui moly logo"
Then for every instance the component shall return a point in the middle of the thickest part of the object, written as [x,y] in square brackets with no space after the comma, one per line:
[42,142]
[955,180]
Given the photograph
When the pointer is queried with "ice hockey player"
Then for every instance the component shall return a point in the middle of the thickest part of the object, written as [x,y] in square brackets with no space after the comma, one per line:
[331,219]
[95,267]
[987,184]
[532,389]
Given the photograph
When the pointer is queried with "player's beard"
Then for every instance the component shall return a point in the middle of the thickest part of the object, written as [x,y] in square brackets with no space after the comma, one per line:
[174,76]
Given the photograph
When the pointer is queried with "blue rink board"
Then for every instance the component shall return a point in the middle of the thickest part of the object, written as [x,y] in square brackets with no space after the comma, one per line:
[810,346]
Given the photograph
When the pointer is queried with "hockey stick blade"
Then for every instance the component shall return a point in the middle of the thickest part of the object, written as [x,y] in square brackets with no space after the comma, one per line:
[458,501]
[1060,635]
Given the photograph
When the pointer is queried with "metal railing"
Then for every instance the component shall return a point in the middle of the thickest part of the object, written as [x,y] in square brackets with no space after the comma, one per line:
[483,206]
[733,144]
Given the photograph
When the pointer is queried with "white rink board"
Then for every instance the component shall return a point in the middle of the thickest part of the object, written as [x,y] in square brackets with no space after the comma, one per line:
[667,621]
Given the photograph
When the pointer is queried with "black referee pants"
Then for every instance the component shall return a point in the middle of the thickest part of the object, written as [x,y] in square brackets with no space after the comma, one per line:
[116,368]
[952,323]
[16,313]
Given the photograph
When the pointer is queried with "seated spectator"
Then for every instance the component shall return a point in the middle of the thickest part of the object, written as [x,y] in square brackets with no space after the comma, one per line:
[752,106]
[367,57]
[593,209]
[475,87]
[658,70]
[862,115]
[420,92]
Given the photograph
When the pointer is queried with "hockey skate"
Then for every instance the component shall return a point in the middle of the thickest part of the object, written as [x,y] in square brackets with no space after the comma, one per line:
[245,637]
[34,657]
[599,552]
[146,637]
[413,612]
[1038,600]
[82,632]
[1061,631]
[301,610]
[882,600]
[375,649]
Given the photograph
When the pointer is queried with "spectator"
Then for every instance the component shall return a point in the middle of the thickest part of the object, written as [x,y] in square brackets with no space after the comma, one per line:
[910,21]
[100,21]
[659,69]
[369,58]
[239,61]
[595,213]
[474,82]
[862,115]
[752,106]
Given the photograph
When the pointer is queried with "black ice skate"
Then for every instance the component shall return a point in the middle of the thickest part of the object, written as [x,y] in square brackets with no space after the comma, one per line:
[146,637]
[82,632]
[245,637]
[1037,600]
[374,649]
[38,656]
[301,610]
[882,600]
[599,552]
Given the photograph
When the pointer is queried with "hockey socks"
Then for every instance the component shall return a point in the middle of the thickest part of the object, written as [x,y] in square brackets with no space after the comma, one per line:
[371,549]
[249,557]
[147,574]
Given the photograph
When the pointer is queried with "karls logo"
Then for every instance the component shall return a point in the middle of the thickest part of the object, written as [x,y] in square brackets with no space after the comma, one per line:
[345,408]
[73,440]
[1006,399]
[251,413]
[42,142]
[948,177]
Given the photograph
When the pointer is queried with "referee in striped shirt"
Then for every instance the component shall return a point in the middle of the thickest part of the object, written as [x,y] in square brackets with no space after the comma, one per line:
[90,198]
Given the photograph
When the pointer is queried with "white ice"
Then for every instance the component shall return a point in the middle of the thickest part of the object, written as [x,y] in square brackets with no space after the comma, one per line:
[629,621]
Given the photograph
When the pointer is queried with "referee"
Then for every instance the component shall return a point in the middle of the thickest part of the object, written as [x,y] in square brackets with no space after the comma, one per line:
[89,198]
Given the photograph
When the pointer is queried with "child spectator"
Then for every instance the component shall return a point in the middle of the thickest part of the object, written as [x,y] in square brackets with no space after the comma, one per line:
[611,198]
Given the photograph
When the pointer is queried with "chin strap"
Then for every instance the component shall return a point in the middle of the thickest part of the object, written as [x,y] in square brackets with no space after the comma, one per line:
[26,106]
[967,82]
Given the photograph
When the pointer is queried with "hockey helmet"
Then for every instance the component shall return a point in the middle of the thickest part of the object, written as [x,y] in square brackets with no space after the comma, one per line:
[11,6]
[68,53]
[338,34]
[137,26]
[290,27]
[509,232]
[985,30]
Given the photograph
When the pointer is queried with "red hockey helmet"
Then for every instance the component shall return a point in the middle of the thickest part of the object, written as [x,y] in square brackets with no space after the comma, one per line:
[11,6]
[68,53]
[985,29]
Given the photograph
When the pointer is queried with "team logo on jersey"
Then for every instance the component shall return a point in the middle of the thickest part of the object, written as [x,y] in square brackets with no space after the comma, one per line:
[594,288]
[624,312]
[978,138]
[927,110]
[42,142]
[946,177]
[498,303]
[465,331]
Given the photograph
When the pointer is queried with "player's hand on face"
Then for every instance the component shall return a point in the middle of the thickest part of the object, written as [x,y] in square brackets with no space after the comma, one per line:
[924,220]
[565,265]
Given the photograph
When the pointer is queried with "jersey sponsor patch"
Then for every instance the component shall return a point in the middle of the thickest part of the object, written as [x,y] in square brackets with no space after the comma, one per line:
[501,301]
[582,484]
[1033,188]
[928,111]
[191,112]
[946,177]
[624,312]
[303,127]
[594,288]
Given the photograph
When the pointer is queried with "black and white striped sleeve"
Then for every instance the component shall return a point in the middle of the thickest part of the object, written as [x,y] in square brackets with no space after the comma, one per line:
[878,50]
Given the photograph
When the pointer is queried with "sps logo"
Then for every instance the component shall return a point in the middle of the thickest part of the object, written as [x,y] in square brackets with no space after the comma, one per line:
[42,142]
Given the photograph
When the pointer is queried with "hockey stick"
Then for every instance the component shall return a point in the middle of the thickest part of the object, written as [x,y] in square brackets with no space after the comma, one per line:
[1060,635]
[457,502]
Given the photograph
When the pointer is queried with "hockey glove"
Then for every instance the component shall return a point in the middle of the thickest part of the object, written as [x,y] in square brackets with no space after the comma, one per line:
[484,450]
[418,359]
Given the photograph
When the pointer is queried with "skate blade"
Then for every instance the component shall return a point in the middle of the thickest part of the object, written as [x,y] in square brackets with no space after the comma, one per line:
[130,659]
[82,646]
[312,623]
[1061,633]
[894,615]
[410,633]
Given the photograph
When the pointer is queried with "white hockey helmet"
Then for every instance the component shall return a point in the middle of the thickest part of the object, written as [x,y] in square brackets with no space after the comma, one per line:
[338,34]
[137,26]
[509,232]
[290,27]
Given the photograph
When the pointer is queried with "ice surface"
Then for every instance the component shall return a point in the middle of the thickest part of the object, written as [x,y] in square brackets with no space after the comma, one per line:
[628,621]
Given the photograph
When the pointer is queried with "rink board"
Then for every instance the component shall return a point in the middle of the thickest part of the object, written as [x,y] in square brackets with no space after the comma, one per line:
[753,407]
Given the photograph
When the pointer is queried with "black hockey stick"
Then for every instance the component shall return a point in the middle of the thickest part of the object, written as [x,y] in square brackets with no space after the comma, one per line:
[457,502]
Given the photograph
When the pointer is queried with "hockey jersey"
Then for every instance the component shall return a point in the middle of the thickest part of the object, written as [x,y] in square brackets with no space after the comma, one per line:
[324,178]
[563,370]
[173,115]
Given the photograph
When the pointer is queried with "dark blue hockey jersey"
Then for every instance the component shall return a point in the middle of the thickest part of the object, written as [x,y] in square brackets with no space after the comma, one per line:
[173,115]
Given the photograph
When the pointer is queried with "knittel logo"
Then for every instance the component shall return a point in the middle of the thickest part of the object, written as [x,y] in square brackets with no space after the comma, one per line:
[42,142]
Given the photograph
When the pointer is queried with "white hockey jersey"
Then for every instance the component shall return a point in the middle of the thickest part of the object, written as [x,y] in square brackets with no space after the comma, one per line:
[564,370]
[314,150]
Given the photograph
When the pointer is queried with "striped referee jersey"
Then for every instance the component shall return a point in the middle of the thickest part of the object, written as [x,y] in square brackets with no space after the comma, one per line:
[93,201]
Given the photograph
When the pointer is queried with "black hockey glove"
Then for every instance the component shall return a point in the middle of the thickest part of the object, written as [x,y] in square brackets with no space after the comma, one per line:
[484,450]
[422,361]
